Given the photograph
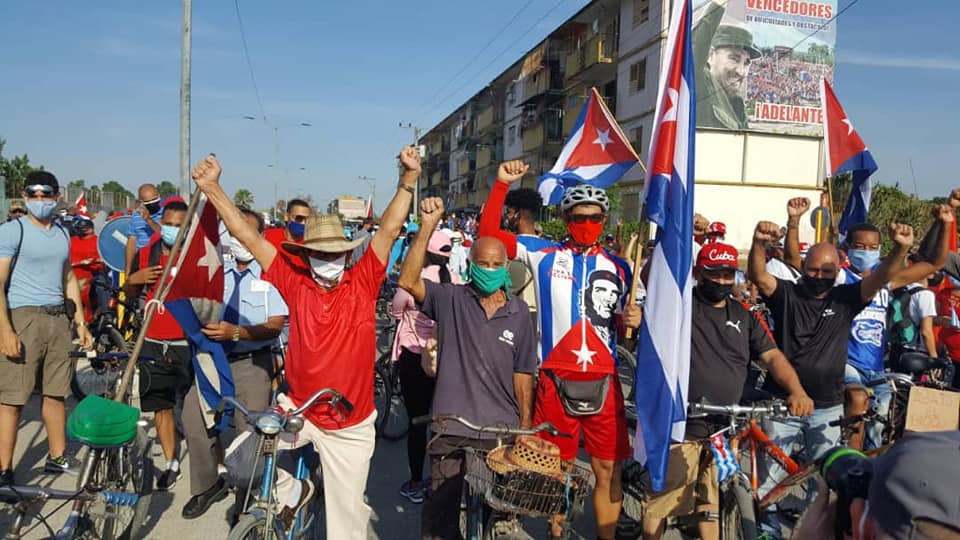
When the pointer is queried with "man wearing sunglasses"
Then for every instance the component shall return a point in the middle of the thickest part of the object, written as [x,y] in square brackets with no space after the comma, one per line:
[36,279]
[144,223]
[17,211]
[296,216]
[572,348]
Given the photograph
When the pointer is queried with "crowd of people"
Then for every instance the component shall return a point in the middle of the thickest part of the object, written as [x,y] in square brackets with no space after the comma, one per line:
[786,81]
[499,325]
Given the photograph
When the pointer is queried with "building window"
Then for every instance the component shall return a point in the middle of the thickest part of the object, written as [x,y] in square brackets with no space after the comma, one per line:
[636,138]
[641,11]
[638,76]
[511,135]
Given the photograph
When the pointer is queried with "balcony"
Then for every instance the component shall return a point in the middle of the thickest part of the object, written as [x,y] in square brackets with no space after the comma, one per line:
[463,167]
[435,178]
[594,58]
[533,137]
[485,120]
[484,156]
[547,81]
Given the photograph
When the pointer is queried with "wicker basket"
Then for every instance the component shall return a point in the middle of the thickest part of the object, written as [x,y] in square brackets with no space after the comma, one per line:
[523,491]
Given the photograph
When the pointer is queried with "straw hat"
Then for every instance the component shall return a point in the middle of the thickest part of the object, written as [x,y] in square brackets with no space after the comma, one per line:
[322,233]
[528,453]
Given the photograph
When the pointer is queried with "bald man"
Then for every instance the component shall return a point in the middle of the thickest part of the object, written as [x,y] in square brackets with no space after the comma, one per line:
[487,357]
[144,223]
[812,320]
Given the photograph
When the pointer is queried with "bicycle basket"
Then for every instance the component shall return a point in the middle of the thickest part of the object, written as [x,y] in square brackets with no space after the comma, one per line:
[527,492]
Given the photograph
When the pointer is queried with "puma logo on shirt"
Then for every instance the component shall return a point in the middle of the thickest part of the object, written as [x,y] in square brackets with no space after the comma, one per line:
[735,325]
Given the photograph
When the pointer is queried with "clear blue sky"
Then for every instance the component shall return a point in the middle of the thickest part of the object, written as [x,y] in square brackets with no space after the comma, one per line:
[91,88]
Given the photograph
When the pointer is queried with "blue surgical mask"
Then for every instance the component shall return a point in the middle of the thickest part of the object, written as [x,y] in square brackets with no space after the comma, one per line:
[168,233]
[42,209]
[296,229]
[864,259]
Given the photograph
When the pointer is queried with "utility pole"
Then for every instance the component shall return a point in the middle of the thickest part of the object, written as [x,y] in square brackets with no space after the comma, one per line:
[416,145]
[185,46]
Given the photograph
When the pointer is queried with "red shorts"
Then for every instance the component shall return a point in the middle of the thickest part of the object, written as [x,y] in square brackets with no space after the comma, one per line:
[604,434]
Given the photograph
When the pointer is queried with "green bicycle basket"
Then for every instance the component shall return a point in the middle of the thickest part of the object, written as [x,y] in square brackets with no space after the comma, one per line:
[102,422]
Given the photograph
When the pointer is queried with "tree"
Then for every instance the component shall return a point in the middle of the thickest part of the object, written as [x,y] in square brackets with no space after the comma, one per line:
[122,197]
[167,188]
[243,198]
[888,204]
[79,183]
[15,170]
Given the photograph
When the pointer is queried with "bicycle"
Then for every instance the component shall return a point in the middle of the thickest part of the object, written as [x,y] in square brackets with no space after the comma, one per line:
[22,498]
[513,494]
[392,421]
[259,521]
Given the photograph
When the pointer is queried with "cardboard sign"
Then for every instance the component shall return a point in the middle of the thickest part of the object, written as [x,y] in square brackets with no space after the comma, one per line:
[932,410]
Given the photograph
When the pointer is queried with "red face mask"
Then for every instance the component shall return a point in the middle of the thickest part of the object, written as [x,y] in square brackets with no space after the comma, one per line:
[586,233]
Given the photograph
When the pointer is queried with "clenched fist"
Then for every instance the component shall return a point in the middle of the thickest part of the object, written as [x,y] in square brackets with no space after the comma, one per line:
[700,225]
[955,198]
[798,206]
[410,159]
[943,212]
[767,231]
[431,212]
[206,173]
[511,171]
[902,234]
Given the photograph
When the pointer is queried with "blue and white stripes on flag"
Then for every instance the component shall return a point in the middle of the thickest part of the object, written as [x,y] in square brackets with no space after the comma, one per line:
[723,456]
[663,356]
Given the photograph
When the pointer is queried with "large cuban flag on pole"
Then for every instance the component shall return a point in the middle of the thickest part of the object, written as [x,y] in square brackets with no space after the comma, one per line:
[846,152]
[195,298]
[596,153]
[663,356]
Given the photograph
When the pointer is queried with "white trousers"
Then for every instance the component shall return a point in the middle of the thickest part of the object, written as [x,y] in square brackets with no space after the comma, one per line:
[345,456]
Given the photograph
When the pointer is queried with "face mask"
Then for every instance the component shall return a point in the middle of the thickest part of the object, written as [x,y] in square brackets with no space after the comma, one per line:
[816,286]
[296,229]
[863,259]
[42,209]
[713,292]
[330,271]
[152,207]
[488,281]
[586,233]
[240,253]
[168,233]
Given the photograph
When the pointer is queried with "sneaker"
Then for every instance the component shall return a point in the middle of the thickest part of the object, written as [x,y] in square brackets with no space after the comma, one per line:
[199,504]
[168,479]
[412,491]
[289,515]
[62,464]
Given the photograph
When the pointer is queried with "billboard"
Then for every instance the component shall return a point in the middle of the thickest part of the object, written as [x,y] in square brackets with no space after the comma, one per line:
[759,63]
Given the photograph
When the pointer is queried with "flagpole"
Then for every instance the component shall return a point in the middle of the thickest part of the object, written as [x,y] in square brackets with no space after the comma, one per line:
[632,295]
[162,289]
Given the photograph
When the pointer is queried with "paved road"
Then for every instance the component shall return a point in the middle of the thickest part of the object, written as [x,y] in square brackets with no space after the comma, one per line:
[393,517]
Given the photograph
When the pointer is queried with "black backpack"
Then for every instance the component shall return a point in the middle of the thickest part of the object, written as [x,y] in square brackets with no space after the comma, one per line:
[901,330]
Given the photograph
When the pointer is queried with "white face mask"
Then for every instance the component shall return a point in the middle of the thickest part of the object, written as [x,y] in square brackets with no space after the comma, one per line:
[330,271]
[240,253]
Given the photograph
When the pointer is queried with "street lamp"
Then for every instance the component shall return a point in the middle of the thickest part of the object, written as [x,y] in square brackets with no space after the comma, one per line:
[276,184]
[276,148]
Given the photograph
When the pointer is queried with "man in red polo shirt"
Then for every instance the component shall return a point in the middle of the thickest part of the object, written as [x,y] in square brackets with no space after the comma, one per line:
[332,340]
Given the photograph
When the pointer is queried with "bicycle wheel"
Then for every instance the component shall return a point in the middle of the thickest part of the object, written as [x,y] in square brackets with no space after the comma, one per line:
[627,372]
[738,519]
[88,380]
[251,527]
[392,421]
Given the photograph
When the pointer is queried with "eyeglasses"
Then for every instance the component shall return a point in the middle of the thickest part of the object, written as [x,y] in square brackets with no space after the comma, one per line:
[47,190]
[583,218]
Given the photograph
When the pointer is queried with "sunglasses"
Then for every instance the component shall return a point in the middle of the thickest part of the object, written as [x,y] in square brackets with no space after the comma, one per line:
[583,218]
[47,190]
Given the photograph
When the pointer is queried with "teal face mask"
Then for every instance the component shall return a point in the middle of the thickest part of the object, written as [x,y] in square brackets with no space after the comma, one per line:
[488,281]
[168,233]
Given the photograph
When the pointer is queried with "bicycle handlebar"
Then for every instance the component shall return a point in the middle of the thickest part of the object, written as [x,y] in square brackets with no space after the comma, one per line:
[899,378]
[337,400]
[107,356]
[774,408]
[440,419]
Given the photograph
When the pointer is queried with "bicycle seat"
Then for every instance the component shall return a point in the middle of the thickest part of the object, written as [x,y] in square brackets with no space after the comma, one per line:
[99,422]
[916,363]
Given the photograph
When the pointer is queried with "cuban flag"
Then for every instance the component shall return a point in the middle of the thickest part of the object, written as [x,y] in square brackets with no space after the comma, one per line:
[596,153]
[81,205]
[195,298]
[723,457]
[846,152]
[663,355]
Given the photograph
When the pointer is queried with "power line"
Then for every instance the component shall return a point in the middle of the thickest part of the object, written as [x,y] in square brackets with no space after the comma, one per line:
[246,55]
[479,53]
[497,57]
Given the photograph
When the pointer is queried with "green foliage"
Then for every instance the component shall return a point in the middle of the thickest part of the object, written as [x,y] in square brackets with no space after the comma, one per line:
[888,204]
[79,183]
[554,229]
[112,186]
[243,198]
[167,188]
[15,170]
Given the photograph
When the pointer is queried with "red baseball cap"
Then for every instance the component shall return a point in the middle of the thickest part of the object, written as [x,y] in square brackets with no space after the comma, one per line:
[717,255]
[717,227]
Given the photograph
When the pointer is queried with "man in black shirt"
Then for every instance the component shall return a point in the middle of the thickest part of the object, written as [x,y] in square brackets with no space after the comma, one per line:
[812,321]
[725,338]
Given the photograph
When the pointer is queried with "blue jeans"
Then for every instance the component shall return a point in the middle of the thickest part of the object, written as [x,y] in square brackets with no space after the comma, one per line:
[818,439]
[873,438]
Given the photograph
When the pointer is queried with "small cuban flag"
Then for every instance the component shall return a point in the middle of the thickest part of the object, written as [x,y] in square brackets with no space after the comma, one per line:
[596,153]
[723,456]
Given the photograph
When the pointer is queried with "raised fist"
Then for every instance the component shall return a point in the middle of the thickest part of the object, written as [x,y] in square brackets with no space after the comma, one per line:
[700,225]
[431,211]
[206,173]
[902,234]
[410,159]
[955,198]
[943,212]
[511,171]
[798,206]
[767,231]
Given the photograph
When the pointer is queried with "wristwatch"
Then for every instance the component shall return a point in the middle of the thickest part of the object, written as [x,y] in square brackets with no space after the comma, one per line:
[409,189]
[236,333]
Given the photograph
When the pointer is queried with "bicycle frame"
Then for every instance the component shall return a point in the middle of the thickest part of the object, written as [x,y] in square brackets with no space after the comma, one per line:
[760,442]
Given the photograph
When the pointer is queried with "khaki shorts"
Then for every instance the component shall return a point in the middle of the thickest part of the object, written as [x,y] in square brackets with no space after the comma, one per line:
[691,483]
[46,343]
